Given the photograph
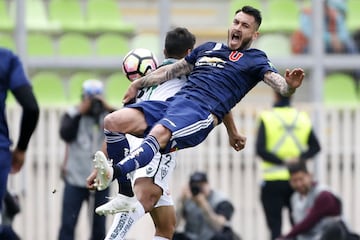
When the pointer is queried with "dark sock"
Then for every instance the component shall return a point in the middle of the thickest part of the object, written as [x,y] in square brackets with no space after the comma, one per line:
[117,146]
[138,158]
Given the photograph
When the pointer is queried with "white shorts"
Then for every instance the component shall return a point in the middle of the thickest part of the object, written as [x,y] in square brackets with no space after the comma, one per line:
[160,169]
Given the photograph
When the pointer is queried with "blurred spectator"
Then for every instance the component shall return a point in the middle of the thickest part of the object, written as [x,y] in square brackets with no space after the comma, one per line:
[206,212]
[336,36]
[340,6]
[82,129]
[285,136]
[317,211]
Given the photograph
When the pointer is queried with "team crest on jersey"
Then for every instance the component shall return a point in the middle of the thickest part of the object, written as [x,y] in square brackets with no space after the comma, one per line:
[235,56]
[211,61]
[164,171]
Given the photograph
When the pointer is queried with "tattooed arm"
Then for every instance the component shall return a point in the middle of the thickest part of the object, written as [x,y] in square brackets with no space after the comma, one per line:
[285,85]
[160,75]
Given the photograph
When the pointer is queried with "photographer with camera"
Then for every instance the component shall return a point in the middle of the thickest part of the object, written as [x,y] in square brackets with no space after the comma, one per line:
[207,213]
[82,130]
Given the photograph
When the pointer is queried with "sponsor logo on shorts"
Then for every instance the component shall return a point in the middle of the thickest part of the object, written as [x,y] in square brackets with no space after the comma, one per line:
[149,170]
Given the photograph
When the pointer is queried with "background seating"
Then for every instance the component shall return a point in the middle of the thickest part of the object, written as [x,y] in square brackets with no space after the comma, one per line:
[274,45]
[116,85]
[112,45]
[49,89]
[6,22]
[340,90]
[40,45]
[74,44]
[352,16]
[281,16]
[7,41]
[105,16]
[67,14]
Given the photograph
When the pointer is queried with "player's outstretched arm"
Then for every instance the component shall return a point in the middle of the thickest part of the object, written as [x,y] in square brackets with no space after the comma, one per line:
[236,140]
[160,75]
[285,85]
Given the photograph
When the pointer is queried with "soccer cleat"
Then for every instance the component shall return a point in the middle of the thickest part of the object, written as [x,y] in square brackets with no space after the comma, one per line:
[120,203]
[104,173]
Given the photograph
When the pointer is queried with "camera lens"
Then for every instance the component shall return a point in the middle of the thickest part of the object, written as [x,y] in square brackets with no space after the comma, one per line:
[195,189]
[96,107]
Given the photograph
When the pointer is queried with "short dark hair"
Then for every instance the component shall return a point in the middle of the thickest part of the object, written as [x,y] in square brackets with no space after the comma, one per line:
[198,177]
[297,167]
[253,12]
[178,41]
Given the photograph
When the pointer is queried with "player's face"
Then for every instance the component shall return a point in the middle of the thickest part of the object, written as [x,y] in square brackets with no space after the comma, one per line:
[301,182]
[242,32]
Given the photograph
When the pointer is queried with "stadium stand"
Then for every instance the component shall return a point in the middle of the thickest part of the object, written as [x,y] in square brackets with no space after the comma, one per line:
[36,19]
[74,44]
[236,4]
[7,41]
[105,16]
[75,85]
[274,44]
[352,17]
[49,89]
[40,45]
[68,15]
[6,22]
[149,41]
[112,45]
[340,90]
[116,85]
[281,16]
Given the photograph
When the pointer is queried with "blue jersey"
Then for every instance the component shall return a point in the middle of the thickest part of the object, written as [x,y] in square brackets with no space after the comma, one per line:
[222,77]
[12,76]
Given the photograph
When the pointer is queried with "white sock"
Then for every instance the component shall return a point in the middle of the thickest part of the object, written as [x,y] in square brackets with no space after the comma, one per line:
[159,238]
[123,222]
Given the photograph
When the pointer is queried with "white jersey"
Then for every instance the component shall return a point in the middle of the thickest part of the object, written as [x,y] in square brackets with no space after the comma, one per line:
[161,166]
[163,91]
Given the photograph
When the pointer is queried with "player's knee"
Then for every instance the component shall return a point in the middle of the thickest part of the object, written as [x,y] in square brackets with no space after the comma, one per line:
[148,199]
[162,134]
[111,122]
[147,192]
[165,229]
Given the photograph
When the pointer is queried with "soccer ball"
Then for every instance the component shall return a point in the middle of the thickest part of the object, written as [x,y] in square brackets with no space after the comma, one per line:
[139,62]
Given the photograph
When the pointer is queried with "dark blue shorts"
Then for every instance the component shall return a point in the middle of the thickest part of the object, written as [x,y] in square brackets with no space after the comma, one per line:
[189,123]
[5,166]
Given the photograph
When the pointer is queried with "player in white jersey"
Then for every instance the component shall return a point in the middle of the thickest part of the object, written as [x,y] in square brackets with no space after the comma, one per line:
[150,183]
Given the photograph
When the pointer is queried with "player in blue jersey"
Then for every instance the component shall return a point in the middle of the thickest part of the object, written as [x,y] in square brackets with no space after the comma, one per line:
[12,78]
[151,188]
[219,77]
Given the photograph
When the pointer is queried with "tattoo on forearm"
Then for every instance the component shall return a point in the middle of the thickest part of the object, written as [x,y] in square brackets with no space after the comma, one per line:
[277,82]
[166,73]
